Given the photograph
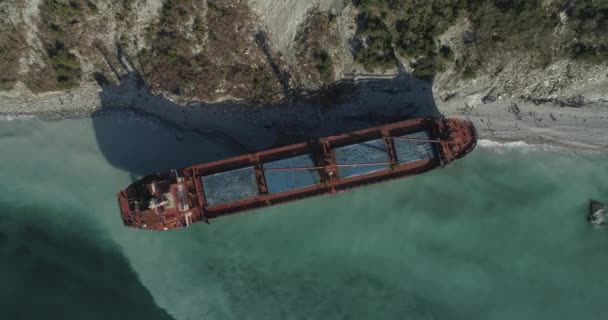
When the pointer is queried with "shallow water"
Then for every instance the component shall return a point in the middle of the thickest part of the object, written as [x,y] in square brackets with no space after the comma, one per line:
[500,234]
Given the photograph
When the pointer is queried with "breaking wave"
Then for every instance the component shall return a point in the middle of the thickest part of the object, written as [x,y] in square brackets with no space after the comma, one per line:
[520,146]
[13,117]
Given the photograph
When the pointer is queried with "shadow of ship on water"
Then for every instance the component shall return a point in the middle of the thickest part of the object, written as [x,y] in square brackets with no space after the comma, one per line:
[234,128]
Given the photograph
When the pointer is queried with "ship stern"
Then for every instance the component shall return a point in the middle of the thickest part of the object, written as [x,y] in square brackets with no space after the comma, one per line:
[126,213]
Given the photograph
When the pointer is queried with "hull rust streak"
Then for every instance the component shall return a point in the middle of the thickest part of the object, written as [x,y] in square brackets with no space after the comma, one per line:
[181,197]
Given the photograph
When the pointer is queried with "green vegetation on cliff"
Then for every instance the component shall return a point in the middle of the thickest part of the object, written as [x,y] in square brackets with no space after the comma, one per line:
[325,66]
[61,24]
[206,50]
[11,43]
[375,47]
[590,20]
[410,28]
[171,56]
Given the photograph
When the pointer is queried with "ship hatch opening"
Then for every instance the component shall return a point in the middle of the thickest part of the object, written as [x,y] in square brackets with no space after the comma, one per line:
[230,186]
[368,152]
[286,180]
[413,150]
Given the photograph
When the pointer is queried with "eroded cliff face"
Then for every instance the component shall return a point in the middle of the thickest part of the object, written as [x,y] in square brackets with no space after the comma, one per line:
[193,50]
[542,67]
[264,51]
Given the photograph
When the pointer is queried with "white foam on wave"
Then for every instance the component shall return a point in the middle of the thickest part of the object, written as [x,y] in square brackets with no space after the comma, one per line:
[13,117]
[503,145]
[516,146]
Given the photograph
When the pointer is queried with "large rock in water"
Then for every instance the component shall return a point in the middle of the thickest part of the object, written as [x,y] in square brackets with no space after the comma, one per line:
[597,212]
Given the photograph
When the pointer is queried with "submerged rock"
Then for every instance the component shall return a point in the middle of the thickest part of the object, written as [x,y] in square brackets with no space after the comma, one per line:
[597,212]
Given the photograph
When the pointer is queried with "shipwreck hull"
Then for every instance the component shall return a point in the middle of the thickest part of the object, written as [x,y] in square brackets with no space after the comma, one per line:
[596,206]
[597,214]
[329,165]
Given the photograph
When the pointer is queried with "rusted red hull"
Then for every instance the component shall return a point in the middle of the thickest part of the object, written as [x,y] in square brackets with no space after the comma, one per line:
[178,198]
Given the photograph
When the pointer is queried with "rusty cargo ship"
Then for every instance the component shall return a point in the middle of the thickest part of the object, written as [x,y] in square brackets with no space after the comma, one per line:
[180,197]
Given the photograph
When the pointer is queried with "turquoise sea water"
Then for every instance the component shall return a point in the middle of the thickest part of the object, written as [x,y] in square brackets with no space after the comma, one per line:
[500,234]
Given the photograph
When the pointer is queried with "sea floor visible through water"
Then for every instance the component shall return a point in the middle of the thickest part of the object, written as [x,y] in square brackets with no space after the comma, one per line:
[500,234]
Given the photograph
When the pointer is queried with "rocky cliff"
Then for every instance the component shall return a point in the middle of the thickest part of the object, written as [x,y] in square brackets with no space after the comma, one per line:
[264,51]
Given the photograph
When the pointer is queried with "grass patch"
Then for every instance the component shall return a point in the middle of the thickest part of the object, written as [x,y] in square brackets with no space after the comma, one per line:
[420,22]
[171,52]
[62,23]
[589,18]
[11,46]
[124,12]
[427,66]
[198,51]
[66,9]
[407,27]
[215,11]
[516,22]
[316,38]
[469,72]
[374,45]
[589,53]
[324,64]
[65,64]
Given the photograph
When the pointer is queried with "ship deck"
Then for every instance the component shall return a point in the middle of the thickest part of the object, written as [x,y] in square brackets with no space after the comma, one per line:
[328,166]
[294,172]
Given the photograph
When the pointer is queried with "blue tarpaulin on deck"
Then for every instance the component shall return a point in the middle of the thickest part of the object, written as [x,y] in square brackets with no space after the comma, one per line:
[229,186]
[365,152]
[409,151]
[284,180]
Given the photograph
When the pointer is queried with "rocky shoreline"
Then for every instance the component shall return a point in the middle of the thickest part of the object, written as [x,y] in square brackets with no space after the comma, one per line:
[347,106]
[546,123]
[302,53]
